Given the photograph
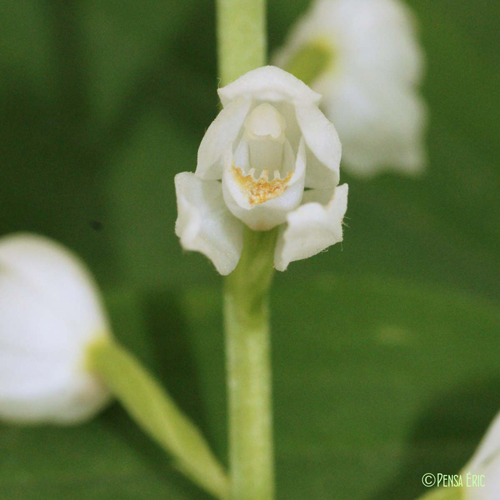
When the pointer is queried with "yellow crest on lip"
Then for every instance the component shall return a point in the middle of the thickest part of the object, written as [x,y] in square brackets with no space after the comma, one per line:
[262,189]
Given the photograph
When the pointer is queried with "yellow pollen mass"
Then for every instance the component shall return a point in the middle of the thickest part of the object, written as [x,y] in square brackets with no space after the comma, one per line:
[262,189]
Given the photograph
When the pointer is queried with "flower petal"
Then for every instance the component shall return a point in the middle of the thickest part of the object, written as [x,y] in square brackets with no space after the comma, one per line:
[380,36]
[323,147]
[52,269]
[268,83]
[382,125]
[486,463]
[370,87]
[41,360]
[220,135]
[204,223]
[488,448]
[312,227]
[490,483]
[59,394]
[365,36]
[49,314]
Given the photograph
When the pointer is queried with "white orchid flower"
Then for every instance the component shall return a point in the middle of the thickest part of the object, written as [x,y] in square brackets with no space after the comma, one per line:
[266,146]
[481,476]
[364,58]
[49,313]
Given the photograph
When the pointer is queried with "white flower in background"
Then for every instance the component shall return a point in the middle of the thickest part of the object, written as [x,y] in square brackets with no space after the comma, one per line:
[268,143]
[485,462]
[49,313]
[364,58]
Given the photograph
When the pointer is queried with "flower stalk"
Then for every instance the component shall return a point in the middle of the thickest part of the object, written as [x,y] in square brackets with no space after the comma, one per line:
[242,43]
[246,311]
[241,37]
[155,412]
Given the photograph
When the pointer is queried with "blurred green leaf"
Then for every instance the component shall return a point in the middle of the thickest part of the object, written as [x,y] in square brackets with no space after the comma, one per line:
[126,40]
[376,383]
[26,49]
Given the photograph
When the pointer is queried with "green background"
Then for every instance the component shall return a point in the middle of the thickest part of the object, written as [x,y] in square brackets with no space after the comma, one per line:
[386,348]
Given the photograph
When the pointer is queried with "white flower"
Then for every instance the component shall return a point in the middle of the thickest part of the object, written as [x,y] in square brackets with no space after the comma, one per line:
[484,468]
[268,143]
[369,76]
[49,313]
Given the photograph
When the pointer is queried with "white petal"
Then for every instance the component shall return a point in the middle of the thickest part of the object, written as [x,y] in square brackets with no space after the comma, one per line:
[220,135]
[488,448]
[381,124]
[47,392]
[369,90]
[323,147]
[30,323]
[271,213]
[365,36]
[490,479]
[380,36]
[486,461]
[59,276]
[204,223]
[49,314]
[318,25]
[268,83]
[312,227]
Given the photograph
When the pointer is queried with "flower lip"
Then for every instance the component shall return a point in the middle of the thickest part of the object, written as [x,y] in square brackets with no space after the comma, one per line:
[262,189]
[252,187]
[267,205]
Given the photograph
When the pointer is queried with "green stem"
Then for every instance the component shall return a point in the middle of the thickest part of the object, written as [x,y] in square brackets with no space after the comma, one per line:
[249,369]
[241,36]
[241,33]
[156,413]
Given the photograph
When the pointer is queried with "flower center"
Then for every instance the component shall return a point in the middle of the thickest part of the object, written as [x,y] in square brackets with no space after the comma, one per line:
[261,189]
[265,150]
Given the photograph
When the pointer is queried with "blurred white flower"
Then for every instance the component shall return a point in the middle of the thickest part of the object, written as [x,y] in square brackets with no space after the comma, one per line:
[363,56]
[49,313]
[268,143]
[485,462]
